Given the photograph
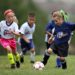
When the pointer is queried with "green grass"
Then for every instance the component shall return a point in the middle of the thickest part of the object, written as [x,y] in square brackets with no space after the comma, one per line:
[27,69]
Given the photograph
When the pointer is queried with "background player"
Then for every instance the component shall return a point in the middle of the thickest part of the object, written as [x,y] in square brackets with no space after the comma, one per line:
[26,40]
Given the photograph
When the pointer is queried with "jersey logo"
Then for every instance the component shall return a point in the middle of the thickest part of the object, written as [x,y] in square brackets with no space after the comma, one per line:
[61,34]
[27,33]
[7,32]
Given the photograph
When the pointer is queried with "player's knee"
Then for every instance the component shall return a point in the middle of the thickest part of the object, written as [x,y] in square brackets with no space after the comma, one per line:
[58,57]
[49,50]
[9,50]
[32,50]
[62,58]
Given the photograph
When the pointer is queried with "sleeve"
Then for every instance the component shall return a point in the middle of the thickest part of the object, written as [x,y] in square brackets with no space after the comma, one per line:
[0,29]
[71,26]
[22,29]
[0,24]
[49,27]
[16,28]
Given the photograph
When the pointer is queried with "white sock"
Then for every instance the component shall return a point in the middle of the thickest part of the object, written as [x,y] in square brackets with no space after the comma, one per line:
[21,53]
[32,56]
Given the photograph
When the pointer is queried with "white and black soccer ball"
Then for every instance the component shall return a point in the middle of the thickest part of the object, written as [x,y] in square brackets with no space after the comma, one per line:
[38,65]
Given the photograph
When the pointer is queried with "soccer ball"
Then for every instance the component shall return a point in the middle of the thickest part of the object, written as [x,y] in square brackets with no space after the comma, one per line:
[38,65]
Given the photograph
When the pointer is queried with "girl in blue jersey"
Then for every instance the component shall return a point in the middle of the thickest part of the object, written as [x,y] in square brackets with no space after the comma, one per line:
[60,45]
[50,31]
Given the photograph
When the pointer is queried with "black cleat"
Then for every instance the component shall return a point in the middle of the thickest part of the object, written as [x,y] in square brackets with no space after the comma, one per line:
[64,65]
[22,59]
[12,66]
[17,64]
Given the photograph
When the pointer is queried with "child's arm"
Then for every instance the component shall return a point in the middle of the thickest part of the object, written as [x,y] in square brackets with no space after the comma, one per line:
[24,38]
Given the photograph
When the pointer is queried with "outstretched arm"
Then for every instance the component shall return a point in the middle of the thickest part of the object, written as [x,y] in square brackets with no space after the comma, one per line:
[24,38]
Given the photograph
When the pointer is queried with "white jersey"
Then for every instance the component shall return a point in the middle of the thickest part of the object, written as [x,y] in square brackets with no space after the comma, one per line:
[5,29]
[27,30]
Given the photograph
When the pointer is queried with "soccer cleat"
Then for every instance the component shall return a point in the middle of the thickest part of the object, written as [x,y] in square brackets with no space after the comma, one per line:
[17,64]
[64,65]
[12,66]
[22,59]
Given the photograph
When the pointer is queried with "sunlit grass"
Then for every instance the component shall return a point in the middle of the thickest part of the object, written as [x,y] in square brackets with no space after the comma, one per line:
[27,67]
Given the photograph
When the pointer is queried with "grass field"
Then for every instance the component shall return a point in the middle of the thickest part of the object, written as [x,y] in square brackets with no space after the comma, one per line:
[27,69]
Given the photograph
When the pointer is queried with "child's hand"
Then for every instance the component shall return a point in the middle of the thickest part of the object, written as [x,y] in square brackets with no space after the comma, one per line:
[50,39]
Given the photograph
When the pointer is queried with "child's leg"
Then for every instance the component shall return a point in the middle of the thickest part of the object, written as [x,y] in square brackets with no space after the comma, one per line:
[63,63]
[31,47]
[32,55]
[21,57]
[17,59]
[11,57]
[23,45]
[23,52]
[46,56]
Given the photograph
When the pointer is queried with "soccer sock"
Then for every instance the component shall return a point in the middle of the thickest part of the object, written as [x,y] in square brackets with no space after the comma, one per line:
[21,53]
[32,56]
[58,62]
[46,57]
[11,58]
[17,57]
[64,64]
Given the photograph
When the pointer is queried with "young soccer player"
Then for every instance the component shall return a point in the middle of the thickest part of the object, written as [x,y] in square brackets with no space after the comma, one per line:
[60,45]
[66,17]
[26,40]
[48,34]
[50,31]
[8,31]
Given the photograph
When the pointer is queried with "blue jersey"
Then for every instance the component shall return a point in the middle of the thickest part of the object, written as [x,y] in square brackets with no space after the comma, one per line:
[50,29]
[63,32]
[50,26]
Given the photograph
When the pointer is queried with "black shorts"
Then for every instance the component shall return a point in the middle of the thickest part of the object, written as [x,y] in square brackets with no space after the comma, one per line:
[60,50]
[26,46]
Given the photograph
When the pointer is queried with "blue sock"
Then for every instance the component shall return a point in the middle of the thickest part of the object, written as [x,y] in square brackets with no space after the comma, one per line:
[58,62]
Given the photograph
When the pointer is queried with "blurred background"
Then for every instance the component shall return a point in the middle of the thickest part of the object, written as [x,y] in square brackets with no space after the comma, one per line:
[42,9]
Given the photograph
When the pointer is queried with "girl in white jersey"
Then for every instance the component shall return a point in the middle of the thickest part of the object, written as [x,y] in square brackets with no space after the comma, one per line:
[8,31]
[26,40]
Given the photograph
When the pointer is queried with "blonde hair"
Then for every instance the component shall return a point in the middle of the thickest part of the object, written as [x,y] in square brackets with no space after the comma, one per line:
[15,19]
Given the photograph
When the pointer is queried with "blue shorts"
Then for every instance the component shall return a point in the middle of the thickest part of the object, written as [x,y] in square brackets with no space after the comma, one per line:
[26,46]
